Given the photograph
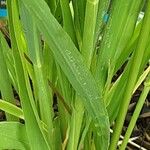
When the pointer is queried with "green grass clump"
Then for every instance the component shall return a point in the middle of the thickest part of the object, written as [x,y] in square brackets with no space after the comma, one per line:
[62,60]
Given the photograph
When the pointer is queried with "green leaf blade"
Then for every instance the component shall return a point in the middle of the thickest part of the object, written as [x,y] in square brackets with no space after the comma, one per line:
[72,64]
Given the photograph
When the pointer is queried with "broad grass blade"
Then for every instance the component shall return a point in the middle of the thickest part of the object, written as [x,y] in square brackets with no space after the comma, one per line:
[13,136]
[72,64]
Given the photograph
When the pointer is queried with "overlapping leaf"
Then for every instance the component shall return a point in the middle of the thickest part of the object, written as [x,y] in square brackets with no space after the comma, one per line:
[71,62]
[13,136]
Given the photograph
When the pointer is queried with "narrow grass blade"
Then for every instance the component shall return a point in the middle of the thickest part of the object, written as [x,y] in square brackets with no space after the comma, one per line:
[5,82]
[8,56]
[44,93]
[136,113]
[87,49]
[58,13]
[142,78]
[129,49]
[119,86]
[102,18]
[85,132]
[76,124]
[146,57]
[115,39]
[79,15]
[68,20]
[52,4]
[57,135]
[133,74]
[49,64]
[27,101]
[87,53]
[66,90]
[11,109]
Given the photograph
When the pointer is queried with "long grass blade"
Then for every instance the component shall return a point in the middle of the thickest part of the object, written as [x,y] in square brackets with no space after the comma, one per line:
[27,101]
[136,113]
[43,91]
[11,109]
[87,49]
[68,24]
[5,82]
[72,64]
